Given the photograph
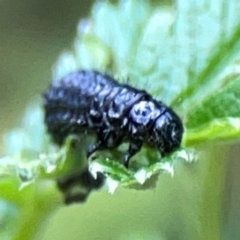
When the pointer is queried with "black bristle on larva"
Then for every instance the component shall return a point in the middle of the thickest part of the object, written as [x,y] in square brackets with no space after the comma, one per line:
[94,102]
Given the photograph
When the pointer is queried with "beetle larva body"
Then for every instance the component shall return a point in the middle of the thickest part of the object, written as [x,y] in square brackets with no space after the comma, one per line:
[96,103]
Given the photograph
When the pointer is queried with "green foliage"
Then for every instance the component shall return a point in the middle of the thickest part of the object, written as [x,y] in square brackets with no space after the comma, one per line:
[187,56]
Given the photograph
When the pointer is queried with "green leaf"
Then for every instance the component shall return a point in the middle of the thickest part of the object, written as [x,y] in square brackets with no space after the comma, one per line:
[218,117]
[159,50]
[176,61]
[186,55]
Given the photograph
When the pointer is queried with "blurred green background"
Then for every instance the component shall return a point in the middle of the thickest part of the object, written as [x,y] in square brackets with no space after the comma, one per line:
[32,36]
[33,33]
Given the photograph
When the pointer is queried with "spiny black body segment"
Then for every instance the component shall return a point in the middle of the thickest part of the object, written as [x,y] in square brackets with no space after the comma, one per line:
[94,102]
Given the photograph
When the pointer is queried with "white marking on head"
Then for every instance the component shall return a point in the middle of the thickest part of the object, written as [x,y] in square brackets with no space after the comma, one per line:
[144,111]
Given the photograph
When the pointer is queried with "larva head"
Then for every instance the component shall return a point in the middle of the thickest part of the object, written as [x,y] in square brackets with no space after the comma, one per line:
[167,132]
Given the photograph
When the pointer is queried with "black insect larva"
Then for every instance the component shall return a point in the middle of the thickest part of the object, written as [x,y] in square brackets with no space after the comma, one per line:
[89,100]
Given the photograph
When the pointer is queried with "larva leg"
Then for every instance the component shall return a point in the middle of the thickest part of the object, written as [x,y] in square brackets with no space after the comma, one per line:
[100,144]
[92,148]
[134,147]
[107,140]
